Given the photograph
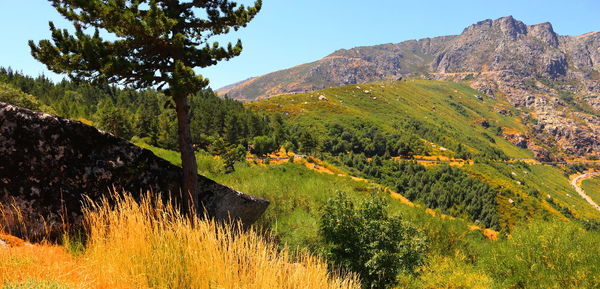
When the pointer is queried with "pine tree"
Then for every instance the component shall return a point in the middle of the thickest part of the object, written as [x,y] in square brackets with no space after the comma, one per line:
[157,44]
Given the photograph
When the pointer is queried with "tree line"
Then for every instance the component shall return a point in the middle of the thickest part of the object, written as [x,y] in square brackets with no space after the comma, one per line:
[442,187]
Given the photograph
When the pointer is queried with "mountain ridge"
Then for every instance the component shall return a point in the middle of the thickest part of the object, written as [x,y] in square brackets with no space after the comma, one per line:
[552,79]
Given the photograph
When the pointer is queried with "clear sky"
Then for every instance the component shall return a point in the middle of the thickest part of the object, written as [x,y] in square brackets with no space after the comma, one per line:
[288,33]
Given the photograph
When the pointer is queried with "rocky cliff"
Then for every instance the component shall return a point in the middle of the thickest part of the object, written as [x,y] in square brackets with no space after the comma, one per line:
[554,79]
[48,164]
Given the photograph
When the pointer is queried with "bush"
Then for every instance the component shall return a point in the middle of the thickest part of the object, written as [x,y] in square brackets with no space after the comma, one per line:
[263,145]
[545,255]
[367,241]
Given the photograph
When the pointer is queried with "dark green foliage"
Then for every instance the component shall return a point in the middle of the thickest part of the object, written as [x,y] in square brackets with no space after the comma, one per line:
[307,141]
[114,119]
[166,136]
[156,42]
[575,168]
[447,188]
[232,155]
[360,137]
[213,117]
[147,114]
[591,225]
[459,108]
[443,187]
[368,241]
[489,153]
[461,153]
[263,145]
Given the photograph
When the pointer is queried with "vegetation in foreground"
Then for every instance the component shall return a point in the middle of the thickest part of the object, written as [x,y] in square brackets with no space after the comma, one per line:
[129,238]
[151,245]
[366,240]
[455,255]
[536,255]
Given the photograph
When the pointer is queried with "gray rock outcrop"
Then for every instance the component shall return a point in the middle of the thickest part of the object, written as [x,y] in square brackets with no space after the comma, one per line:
[48,164]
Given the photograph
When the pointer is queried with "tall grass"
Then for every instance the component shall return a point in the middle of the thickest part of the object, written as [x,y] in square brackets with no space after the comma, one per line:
[545,254]
[16,219]
[149,244]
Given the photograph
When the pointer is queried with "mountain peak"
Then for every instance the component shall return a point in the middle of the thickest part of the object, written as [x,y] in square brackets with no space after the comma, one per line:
[514,29]
[508,25]
[511,26]
[544,32]
[504,46]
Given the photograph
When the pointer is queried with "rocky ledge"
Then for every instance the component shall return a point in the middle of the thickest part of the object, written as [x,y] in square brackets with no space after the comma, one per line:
[48,164]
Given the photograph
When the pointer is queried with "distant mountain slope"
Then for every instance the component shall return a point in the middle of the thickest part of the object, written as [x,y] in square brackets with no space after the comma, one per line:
[489,47]
[447,117]
[553,79]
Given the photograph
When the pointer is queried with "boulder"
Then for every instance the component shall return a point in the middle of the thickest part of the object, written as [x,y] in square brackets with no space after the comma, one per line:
[48,164]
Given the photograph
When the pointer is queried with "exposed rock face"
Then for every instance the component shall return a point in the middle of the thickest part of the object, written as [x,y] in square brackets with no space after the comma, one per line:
[47,165]
[535,68]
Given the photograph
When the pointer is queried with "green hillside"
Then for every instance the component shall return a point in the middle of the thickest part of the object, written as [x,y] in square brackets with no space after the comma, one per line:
[457,257]
[534,190]
[441,119]
[443,113]
[592,188]
[297,195]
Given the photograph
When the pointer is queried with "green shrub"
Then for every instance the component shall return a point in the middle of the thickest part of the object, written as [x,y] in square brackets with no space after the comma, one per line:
[368,241]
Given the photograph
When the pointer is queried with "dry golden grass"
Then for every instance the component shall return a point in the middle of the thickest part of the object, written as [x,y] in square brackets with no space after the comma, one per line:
[38,266]
[17,220]
[148,244]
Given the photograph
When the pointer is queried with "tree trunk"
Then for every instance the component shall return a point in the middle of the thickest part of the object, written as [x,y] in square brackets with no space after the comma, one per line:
[188,158]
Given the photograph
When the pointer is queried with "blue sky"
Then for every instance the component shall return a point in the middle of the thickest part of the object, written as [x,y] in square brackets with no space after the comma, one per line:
[288,33]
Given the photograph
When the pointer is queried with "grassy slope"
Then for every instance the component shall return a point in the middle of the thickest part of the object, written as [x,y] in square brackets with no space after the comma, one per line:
[457,257]
[297,195]
[389,103]
[592,188]
[531,187]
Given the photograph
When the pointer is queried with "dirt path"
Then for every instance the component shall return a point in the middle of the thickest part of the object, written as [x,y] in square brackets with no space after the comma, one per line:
[575,182]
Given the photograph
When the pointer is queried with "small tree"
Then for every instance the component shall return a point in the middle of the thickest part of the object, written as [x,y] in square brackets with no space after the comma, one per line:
[367,241]
[233,153]
[157,43]
[113,119]
[263,145]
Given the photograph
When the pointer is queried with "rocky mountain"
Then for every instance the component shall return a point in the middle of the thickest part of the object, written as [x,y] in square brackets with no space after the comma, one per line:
[554,80]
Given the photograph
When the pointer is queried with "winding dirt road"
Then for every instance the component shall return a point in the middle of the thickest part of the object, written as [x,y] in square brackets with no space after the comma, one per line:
[575,183]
